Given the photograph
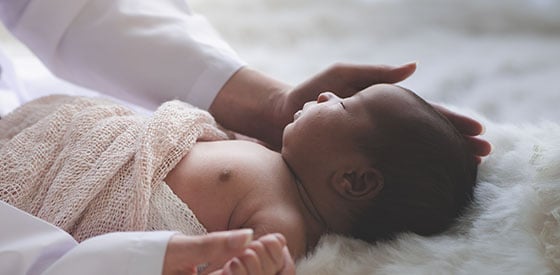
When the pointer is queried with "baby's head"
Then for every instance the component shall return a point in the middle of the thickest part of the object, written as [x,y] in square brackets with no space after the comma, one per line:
[378,163]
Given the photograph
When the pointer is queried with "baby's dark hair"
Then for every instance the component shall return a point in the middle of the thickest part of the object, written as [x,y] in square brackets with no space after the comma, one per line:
[429,175]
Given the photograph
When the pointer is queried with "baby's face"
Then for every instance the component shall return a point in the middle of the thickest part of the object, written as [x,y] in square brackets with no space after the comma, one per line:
[325,136]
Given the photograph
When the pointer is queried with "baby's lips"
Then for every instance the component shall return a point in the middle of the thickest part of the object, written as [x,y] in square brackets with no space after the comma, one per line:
[297,114]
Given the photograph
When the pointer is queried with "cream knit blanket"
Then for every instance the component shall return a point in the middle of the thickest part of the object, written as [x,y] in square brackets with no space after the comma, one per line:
[91,166]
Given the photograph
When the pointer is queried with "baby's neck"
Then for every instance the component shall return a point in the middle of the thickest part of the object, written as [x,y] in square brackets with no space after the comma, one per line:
[315,224]
[306,200]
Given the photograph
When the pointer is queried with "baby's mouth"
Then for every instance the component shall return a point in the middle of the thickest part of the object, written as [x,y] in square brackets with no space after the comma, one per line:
[297,114]
[305,106]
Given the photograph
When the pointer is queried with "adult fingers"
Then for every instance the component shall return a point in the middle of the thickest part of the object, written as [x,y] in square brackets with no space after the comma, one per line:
[346,80]
[478,146]
[477,160]
[465,125]
[364,76]
[218,245]
[470,128]
[208,252]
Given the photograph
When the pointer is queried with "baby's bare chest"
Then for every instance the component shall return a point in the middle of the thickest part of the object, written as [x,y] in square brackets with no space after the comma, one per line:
[225,182]
[230,164]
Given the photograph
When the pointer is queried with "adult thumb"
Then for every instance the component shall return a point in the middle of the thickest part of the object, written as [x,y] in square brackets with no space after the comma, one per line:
[215,249]
[208,252]
[399,73]
[223,244]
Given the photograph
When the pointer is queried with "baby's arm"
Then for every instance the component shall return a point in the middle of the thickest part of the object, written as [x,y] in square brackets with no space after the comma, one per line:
[269,255]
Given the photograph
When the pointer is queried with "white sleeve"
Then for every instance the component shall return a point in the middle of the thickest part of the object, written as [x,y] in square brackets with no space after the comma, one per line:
[31,246]
[142,51]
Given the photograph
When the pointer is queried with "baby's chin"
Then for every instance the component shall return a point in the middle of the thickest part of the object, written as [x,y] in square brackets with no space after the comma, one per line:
[287,133]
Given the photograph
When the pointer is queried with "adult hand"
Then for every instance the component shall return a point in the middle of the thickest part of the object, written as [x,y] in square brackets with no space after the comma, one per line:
[342,79]
[258,106]
[470,129]
[268,255]
[185,253]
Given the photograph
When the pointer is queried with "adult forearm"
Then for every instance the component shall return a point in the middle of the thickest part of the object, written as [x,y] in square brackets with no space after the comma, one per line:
[250,103]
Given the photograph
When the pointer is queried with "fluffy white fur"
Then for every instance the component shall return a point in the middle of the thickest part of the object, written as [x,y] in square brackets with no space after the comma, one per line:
[513,226]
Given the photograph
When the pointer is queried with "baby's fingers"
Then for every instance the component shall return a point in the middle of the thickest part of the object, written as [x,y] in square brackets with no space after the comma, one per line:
[263,256]
[289,266]
[248,263]
[235,267]
[272,245]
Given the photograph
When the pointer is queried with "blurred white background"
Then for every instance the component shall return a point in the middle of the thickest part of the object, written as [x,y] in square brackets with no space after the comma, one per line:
[500,58]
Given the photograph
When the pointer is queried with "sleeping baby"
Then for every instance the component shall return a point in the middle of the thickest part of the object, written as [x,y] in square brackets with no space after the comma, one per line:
[368,166]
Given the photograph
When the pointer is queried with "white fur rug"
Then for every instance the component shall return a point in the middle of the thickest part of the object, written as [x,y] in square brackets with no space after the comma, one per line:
[513,226]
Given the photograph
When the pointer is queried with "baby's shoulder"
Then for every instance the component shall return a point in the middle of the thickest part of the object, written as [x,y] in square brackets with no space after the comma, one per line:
[285,220]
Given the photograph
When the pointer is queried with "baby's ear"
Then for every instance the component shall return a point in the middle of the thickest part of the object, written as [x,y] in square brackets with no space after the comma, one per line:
[364,184]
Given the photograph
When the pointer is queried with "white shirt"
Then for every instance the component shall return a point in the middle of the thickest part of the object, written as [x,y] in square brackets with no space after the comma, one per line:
[141,51]
[31,246]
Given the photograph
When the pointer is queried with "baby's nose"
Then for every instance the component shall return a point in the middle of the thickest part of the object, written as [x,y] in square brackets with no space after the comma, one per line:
[325,96]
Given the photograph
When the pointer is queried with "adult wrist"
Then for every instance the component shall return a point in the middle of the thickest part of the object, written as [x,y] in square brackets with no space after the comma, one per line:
[249,103]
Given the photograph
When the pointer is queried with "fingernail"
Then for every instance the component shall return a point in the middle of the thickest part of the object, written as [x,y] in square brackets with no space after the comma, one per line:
[240,238]
[280,237]
[483,131]
[235,264]
[416,63]
[227,269]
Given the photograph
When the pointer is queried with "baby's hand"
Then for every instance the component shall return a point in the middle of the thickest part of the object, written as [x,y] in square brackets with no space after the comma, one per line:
[268,255]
